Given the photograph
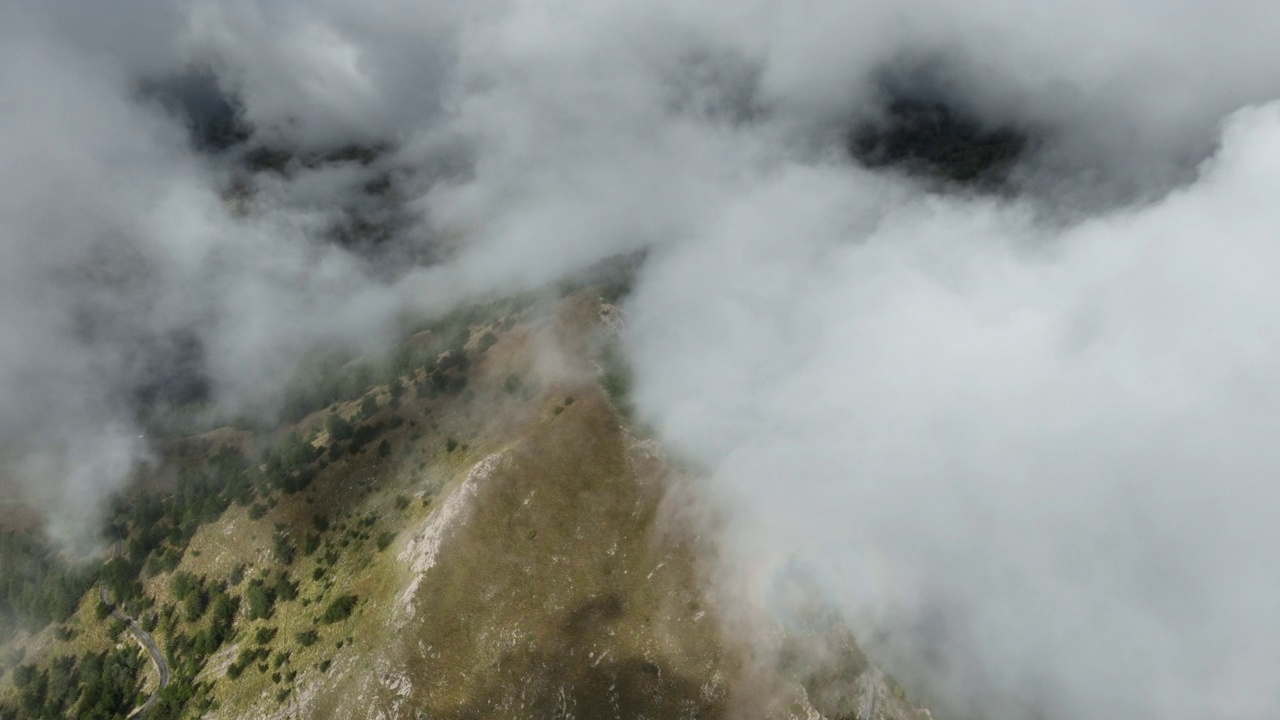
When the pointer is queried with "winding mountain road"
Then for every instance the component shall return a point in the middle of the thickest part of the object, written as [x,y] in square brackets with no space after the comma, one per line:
[144,639]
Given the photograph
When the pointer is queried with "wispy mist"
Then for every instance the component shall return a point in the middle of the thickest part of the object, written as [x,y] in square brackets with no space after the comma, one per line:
[1021,438]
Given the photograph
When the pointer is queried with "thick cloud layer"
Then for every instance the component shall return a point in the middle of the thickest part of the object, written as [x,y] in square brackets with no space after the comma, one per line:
[1039,457]
[1022,441]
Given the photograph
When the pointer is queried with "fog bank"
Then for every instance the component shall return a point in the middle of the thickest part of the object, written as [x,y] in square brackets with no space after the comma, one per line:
[1020,437]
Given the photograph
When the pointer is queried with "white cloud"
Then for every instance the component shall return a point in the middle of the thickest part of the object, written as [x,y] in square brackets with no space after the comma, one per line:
[1057,440]
[1029,438]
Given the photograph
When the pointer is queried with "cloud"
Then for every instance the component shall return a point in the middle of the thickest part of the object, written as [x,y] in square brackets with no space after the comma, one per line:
[123,264]
[1036,455]
[1022,440]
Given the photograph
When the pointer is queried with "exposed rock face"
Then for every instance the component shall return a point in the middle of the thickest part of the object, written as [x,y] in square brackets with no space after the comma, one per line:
[421,552]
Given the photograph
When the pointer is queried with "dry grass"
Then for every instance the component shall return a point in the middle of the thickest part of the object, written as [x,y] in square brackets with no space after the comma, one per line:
[557,592]
[554,588]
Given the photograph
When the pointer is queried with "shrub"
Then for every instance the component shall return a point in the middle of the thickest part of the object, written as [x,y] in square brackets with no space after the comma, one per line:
[224,616]
[194,605]
[285,589]
[338,427]
[261,600]
[385,539]
[284,550]
[339,609]
[183,584]
[368,407]
[617,380]
[364,435]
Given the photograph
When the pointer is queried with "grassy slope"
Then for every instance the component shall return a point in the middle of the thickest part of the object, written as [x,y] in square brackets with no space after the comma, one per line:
[552,595]
[555,593]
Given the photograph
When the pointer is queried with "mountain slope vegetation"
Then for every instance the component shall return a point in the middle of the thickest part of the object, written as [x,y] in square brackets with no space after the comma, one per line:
[468,529]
